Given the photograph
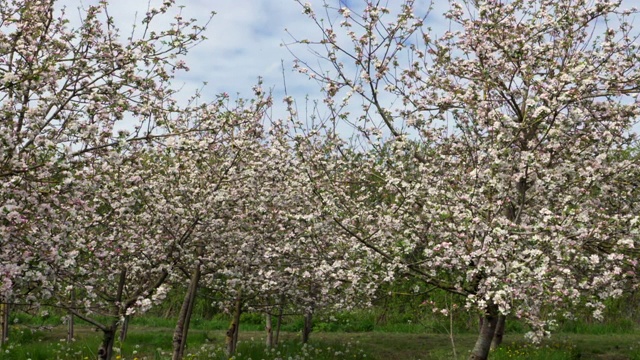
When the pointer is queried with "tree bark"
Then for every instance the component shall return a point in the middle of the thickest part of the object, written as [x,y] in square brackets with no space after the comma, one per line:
[182,326]
[308,326]
[238,312]
[125,328]
[108,339]
[268,327]
[232,333]
[280,314]
[308,316]
[71,318]
[499,334]
[483,343]
[70,327]
[169,312]
[105,352]
[4,323]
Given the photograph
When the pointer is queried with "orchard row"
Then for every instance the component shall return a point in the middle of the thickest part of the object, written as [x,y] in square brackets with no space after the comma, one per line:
[496,161]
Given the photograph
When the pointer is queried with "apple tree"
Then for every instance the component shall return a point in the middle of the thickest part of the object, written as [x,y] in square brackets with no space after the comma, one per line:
[521,109]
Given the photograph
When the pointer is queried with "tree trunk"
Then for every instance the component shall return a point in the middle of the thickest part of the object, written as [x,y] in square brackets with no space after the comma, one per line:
[232,333]
[105,352]
[237,313]
[483,343]
[182,326]
[125,328]
[268,327]
[4,323]
[108,339]
[279,324]
[308,326]
[70,327]
[71,318]
[169,312]
[499,334]
[308,316]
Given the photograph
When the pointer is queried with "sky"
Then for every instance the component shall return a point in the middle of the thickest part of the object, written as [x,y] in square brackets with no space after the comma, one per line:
[245,41]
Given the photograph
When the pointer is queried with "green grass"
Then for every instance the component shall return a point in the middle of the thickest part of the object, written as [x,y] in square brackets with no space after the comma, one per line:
[146,342]
[573,347]
[361,334]
[619,326]
[197,323]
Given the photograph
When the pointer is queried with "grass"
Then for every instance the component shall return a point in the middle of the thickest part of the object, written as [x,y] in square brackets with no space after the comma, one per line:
[620,326]
[354,335]
[575,346]
[154,342]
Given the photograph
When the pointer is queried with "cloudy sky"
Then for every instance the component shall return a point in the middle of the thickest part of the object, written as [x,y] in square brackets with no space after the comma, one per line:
[244,41]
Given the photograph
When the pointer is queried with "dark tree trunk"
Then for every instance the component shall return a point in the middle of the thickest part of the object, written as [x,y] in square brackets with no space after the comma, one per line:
[483,343]
[237,313]
[108,339]
[182,326]
[109,333]
[308,316]
[499,334]
[308,326]
[232,333]
[4,323]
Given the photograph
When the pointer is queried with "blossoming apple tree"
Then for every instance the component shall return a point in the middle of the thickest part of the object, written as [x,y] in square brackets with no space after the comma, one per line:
[521,110]
[67,93]
[311,263]
[205,185]
[64,93]
[275,245]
